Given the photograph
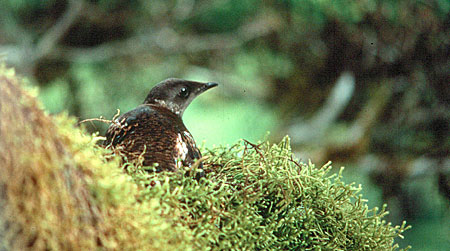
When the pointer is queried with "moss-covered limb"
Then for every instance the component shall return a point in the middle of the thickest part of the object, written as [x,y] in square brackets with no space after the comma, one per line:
[34,163]
[57,193]
[256,197]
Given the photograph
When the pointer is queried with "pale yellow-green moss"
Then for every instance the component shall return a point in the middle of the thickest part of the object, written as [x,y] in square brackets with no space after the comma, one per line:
[58,193]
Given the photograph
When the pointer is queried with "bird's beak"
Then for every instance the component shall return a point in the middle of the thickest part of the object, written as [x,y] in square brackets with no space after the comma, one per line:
[211,85]
[208,85]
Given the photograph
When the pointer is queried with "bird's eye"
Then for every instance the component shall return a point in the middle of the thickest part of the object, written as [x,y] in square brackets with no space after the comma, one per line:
[184,92]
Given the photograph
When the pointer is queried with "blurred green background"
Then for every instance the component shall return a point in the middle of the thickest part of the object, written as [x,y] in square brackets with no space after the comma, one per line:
[365,84]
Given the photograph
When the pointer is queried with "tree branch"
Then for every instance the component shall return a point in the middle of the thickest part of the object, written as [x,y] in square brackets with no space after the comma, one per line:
[51,38]
[170,42]
[25,54]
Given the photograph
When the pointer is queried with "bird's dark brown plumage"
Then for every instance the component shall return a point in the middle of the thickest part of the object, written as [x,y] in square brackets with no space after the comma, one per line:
[155,130]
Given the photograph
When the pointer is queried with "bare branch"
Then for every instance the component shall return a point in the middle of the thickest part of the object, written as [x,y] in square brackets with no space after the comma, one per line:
[25,54]
[170,42]
[95,119]
[337,101]
[47,43]
[101,119]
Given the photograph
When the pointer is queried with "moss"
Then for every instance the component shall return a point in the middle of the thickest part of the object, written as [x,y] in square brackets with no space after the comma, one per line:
[257,197]
[59,192]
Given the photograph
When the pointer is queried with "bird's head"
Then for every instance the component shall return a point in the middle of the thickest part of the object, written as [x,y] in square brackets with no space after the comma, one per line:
[176,94]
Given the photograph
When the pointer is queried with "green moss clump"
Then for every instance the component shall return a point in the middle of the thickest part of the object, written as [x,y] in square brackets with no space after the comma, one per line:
[260,198]
[57,192]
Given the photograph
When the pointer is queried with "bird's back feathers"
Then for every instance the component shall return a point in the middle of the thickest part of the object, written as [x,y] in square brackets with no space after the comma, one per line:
[155,133]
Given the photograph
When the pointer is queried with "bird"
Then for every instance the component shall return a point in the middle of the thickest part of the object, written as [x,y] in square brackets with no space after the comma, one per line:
[154,131]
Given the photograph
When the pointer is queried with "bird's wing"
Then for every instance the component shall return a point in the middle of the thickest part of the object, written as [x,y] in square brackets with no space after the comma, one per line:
[125,124]
[192,150]
[157,132]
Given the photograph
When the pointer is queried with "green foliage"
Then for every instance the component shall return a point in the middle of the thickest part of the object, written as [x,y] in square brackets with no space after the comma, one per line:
[28,5]
[223,16]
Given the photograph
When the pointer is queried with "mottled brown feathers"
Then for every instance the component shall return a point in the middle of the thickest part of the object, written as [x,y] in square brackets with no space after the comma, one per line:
[155,130]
